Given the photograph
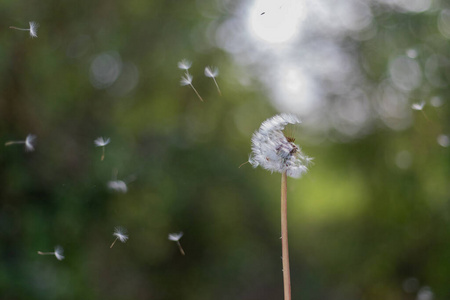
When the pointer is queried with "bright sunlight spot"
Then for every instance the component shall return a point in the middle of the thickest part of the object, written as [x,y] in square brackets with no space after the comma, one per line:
[275,21]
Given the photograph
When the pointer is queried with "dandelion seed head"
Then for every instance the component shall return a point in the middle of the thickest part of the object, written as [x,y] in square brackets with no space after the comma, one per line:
[120,233]
[33,29]
[175,236]
[275,152]
[101,142]
[184,64]
[418,106]
[29,142]
[59,252]
[118,186]
[186,79]
[211,72]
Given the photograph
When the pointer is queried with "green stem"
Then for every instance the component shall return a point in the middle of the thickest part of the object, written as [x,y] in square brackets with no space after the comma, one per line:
[284,239]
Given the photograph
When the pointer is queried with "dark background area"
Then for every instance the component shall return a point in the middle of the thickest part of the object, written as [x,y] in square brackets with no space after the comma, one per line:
[371,220]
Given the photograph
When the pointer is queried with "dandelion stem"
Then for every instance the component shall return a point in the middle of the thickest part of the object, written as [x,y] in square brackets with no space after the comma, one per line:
[220,93]
[103,154]
[284,239]
[14,142]
[46,253]
[113,242]
[196,92]
[181,248]
[25,29]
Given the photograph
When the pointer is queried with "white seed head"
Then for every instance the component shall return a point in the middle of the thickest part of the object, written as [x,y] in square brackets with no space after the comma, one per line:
[29,142]
[33,29]
[211,72]
[120,233]
[418,106]
[184,64]
[59,252]
[186,79]
[273,151]
[101,142]
[118,186]
[175,236]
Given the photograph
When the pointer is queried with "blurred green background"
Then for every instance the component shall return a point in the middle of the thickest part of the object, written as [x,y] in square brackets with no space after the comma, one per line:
[371,220]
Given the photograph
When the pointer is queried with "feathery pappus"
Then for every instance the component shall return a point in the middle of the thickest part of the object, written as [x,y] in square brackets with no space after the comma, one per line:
[276,152]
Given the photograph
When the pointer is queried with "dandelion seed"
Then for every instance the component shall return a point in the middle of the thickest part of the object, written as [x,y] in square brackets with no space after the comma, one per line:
[29,142]
[58,253]
[101,142]
[213,72]
[175,237]
[187,80]
[184,64]
[276,152]
[418,106]
[33,29]
[119,185]
[121,234]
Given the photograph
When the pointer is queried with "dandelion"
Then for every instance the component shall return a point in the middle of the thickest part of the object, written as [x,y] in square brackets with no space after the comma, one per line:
[58,253]
[101,142]
[213,72]
[184,64]
[121,234]
[29,142]
[33,29]
[276,152]
[187,80]
[175,237]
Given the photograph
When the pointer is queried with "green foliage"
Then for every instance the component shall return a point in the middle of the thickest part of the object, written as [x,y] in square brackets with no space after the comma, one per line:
[359,224]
